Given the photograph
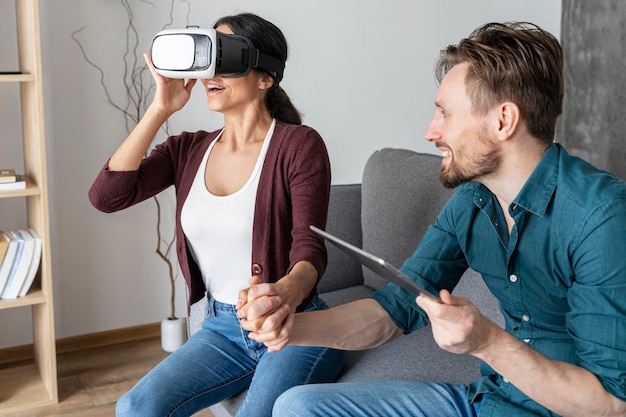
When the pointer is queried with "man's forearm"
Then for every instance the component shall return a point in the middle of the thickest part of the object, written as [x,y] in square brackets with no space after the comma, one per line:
[361,324]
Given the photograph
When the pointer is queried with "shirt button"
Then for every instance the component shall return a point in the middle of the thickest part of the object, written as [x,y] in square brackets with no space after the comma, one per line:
[513,278]
[526,340]
[257,269]
[506,381]
[525,317]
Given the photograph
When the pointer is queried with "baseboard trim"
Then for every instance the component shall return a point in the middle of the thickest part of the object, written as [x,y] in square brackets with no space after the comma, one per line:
[14,355]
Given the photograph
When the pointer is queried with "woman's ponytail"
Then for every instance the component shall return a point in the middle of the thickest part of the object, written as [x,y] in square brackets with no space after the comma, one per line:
[280,106]
[267,38]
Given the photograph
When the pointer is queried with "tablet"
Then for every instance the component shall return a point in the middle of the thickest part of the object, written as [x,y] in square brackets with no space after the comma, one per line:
[376,264]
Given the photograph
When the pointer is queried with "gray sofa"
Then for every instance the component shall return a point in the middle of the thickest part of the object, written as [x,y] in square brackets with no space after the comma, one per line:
[387,214]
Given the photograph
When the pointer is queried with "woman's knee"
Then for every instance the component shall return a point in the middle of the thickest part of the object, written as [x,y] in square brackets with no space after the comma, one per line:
[138,402]
[295,402]
[129,405]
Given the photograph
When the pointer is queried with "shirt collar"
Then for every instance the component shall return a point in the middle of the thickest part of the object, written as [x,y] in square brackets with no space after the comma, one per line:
[536,193]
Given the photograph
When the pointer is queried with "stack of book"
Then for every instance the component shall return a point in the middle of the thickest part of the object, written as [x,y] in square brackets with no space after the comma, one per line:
[10,181]
[20,256]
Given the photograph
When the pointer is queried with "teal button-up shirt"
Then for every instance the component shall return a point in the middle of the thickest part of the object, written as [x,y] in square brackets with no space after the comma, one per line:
[560,275]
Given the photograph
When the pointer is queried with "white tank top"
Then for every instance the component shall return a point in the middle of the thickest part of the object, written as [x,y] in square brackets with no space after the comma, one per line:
[218,230]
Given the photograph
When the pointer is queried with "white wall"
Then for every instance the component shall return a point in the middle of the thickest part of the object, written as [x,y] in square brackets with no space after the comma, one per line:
[361,72]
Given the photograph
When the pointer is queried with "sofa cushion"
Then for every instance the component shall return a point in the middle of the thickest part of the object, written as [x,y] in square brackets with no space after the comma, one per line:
[400,198]
[415,356]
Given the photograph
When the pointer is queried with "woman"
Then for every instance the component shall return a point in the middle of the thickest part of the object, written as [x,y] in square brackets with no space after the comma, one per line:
[246,195]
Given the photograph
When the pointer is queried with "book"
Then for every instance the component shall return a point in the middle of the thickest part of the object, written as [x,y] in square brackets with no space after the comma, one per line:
[18,184]
[7,259]
[34,263]
[7,175]
[4,245]
[21,263]
[9,287]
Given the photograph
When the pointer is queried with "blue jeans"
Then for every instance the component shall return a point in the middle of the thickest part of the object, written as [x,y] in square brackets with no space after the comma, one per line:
[375,399]
[219,361]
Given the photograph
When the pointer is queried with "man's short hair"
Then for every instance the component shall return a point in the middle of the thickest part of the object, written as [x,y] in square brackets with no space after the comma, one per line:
[515,61]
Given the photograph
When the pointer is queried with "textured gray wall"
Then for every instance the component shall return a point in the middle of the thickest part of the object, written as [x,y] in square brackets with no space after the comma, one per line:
[593,124]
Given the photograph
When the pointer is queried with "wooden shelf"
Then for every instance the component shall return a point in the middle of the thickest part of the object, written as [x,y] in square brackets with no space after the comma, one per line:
[31,189]
[22,388]
[28,386]
[35,296]
[16,78]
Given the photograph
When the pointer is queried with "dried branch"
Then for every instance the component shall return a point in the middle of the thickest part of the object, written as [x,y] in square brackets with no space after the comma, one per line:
[139,88]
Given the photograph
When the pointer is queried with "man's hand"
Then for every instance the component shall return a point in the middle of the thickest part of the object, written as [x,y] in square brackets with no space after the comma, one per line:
[275,331]
[264,314]
[457,324]
[266,310]
[257,300]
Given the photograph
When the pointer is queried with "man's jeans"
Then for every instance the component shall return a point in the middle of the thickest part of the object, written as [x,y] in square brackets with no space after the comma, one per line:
[219,361]
[375,399]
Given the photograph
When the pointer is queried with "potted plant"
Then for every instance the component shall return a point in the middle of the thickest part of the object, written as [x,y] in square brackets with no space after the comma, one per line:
[173,328]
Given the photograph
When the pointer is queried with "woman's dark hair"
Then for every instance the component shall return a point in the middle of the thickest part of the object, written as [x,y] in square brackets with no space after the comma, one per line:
[515,61]
[267,38]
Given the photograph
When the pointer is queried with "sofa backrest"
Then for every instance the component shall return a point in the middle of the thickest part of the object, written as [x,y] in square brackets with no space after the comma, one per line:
[344,221]
[401,197]
[387,215]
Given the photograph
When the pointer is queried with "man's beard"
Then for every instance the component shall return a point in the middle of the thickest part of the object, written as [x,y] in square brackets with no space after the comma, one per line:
[474,166]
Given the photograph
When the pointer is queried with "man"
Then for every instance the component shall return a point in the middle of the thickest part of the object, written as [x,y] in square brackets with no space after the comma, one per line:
[546,230]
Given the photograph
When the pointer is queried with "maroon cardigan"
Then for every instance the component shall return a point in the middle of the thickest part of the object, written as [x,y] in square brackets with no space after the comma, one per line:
[293,193]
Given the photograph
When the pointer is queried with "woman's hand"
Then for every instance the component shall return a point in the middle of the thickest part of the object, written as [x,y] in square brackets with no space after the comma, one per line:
[257,301]
[267,310]
[264,313]
[171,94]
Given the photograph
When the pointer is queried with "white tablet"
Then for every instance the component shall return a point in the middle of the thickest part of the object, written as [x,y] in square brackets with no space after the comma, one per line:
[376,264]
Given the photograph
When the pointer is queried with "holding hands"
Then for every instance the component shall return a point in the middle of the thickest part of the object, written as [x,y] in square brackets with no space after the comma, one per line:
[265,314]
[457,324]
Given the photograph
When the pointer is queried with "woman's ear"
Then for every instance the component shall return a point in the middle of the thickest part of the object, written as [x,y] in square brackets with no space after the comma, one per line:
[266,81]
[508,119]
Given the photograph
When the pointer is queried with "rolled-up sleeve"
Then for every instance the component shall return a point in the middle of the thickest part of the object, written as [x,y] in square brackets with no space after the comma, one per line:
[597,297]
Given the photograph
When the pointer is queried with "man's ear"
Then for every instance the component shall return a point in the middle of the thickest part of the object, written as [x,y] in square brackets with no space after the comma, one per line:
[509,116]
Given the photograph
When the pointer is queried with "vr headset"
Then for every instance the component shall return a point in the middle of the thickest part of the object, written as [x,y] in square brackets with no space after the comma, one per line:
[203,53]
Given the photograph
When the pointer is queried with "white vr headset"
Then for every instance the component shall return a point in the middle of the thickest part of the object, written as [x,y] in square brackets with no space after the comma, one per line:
[203,53]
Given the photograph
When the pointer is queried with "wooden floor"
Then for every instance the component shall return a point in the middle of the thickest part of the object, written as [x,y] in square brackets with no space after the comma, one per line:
[91,381]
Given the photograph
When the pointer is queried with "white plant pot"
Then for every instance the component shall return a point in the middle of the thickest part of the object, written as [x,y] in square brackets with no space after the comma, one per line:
[173,334]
